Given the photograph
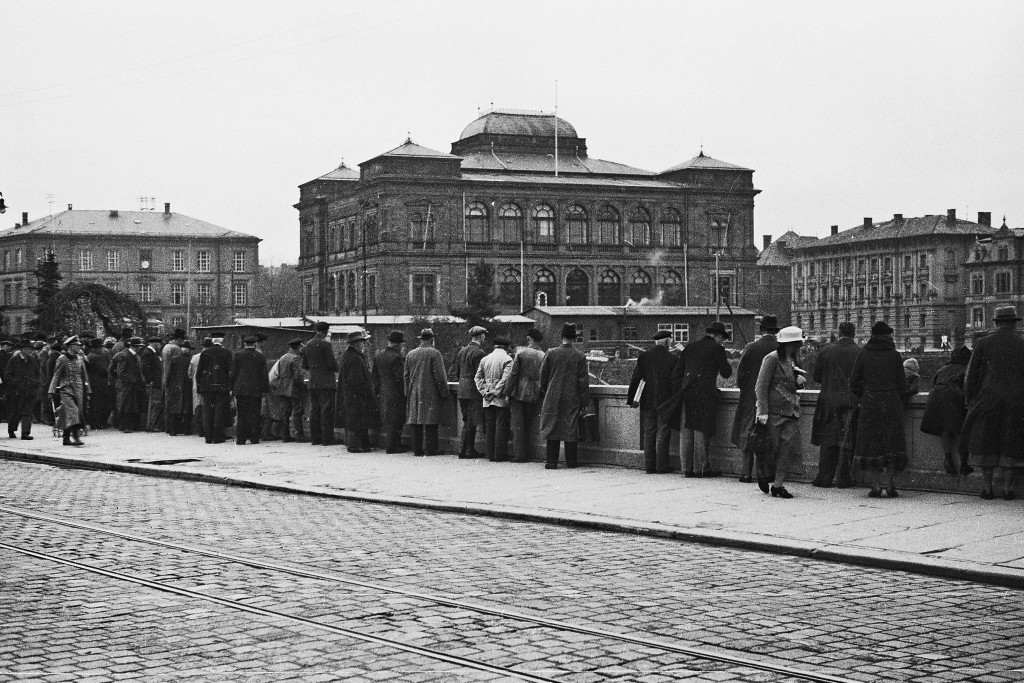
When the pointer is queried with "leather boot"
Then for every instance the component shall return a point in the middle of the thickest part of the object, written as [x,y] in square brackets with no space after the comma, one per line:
[76,439]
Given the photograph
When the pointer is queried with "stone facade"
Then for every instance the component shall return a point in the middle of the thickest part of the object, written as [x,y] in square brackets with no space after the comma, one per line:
[774,275]
[404,234]
[993,277]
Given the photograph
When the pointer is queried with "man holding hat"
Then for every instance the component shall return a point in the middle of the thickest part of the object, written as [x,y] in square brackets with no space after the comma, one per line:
[654,370]
[470,400]
[746,379]
[69,389]
[426,389]
[565,385]
[524,394]
[288,392]
[126,371]
[153,372]
[213,381]
[21,377]
[492,382]
[694,379]
[388,371]
[355,393]
[318,358]
[248,384]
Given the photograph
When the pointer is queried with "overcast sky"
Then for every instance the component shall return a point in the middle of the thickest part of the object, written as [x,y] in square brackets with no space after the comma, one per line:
[844,110]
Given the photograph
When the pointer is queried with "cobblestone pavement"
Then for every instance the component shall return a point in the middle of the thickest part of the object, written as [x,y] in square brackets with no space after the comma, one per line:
[66,624]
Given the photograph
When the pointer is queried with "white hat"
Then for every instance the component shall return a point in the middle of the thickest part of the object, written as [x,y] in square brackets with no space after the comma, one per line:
[790,334]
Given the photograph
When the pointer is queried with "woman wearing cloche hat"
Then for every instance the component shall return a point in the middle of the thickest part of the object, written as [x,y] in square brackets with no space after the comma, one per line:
[778,406]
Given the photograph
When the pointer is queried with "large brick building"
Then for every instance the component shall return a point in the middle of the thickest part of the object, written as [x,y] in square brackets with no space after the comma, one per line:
[519,191]
[183,271]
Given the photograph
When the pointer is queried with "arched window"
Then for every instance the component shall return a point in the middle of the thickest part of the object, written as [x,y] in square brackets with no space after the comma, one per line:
[544,287]
[509,289]
[577,288]
[673,292]
[421,229]
[370,234]
[670,230]
[608,225]
[639,227]
[609,289]
[510,223]
[543,224]
[576,219]
[640,287]
[719,235]
[476,223]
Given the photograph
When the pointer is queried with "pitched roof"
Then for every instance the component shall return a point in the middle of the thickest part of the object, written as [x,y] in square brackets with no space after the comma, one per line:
[908,227]
[124,223]
[411,149]
[706,163]
[777,255]
[343,172]
[545,163]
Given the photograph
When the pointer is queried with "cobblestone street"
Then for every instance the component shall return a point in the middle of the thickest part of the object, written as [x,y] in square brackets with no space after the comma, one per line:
[420,574]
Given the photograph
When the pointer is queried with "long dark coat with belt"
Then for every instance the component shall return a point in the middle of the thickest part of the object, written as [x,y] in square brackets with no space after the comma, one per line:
[21,376]
[994,389]
[832,371]
[947,407]
[357,402]
[878,382]
[128,382]
[388,371]
[695,375]
[178,387]
[565,384]
[746,380]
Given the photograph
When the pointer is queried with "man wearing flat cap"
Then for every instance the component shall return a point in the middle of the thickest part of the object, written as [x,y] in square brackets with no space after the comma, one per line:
[21,377]
[318,358]
[426,390]
[746,380]
[565,385]
[470,401]
[388,371]
[653,373]
[48,356]
[288,393]
[356,398]
[695,381]
[248,384]
[213,382]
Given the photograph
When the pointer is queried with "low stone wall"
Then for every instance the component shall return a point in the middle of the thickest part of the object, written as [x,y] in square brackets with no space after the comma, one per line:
[621,445]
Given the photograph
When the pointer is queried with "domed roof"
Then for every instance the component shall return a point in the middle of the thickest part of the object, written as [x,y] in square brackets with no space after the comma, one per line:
[518,122]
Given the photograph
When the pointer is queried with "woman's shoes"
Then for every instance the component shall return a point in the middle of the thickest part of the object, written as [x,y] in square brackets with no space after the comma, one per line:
[780,492]
[875,493]
[762,484]
[1009,495]
[987,495]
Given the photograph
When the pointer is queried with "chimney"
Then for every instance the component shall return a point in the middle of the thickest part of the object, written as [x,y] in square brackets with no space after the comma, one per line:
[985,218]
[867,222]
[167,208]
[835,229]
[767,241]
[897,218]
[69,207]
[950,217]
[113,213]
[24,217]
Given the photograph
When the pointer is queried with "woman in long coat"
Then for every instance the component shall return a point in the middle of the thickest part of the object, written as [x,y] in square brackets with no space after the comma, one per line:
[946,409]
[69,386]
[879,383]
[179,392]
[565,384]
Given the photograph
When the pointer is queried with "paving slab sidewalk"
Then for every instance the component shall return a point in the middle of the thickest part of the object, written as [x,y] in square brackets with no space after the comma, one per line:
[934,533]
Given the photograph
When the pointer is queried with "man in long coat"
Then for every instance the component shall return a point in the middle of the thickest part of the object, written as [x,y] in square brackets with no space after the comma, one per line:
[654,368]
[101,399]
[6,351]
[492,382]
[746,378]
[565,384]
[170,351]
[213,381]
[153,373]
[21,377]
[69,390]
[695,379]
[994,390]
[48,356]
[388,380]
[426,390]
[358,402]
[178,391]
[318,358]
[470,400]
[524,395]
[832,428]
[288,391]
[248,384]
[129,384]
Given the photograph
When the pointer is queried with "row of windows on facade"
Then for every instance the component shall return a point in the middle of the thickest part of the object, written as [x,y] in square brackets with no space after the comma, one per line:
[14,293]
[844,266]
[837,294]
[860,321]
[512,227]
[1002,281]
[178,262]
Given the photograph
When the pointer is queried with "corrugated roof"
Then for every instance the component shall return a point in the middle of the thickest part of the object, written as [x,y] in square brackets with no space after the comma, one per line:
[546,179]
[567,163]
[707,163]
[909,227]
[775,255]
[125,223]
[518,122]
[619,311]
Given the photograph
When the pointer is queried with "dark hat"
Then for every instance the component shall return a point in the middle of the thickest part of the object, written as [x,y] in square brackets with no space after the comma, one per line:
[396,337]
[207,341]
[216,335]
[321,326]
[356,336]
[961,355]
[23,343]
[718,327]
[881,327]
[426,333]
[96,343]
[155,339]
[250,340]
[769,323]
[178,333]
[73,339]
[38,344]
[109,341]
[661,334]
[186,344]
[136,341]
[569,331]
[39,337]
[1006,313]
[127,332]
[535,334]
[260,337]
[502,342]
[846,329]
[297,342]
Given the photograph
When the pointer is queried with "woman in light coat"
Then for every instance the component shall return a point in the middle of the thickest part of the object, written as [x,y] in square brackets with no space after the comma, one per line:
[778,406]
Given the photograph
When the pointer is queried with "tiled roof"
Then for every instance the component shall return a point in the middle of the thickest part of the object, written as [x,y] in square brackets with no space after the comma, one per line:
[568,179]
[125,223]
[545,163]
[909,227]
[343,172]
[775,255]
[705,162]
[518,122]
[619,311]
[411,149]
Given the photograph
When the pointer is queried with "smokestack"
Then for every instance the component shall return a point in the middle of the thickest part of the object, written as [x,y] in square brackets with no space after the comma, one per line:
[767,241]
[835,229]
[167,208]
[867,222]
[24,217]
[897,218]
[113,213]
[950,217]
[985,218]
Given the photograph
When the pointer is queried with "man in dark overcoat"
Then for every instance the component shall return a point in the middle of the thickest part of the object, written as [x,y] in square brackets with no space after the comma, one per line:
[470,400]
[289,392]
[102,397]
[318,358]
[21,377]
[388,370]
[153,373]
[6,351]
[249,382]
[832,428]
[48,356]
[994,391]
[213,382]
[169,352]
[654,369]
[129,385]
[355,394]
[746,379]
[565,385]
[695,379]
[426,390]
[178,391]
[524,395]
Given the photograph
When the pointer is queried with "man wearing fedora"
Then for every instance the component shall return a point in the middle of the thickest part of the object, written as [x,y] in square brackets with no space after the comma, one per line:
[153,373]
[387,374]
[102,397]
[695,378]
[249,381]
[654,369]
[426,389]
[358,403]
[565,386]
[832,428]
[126,371]
[746,380]
[994,390]
[318,358]
[21,377]
[470,400]
[213,382]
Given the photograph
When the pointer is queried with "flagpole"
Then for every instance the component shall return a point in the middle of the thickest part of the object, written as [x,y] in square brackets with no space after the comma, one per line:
[556,128]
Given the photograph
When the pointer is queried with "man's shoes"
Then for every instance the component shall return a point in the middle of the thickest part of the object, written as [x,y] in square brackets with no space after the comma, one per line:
[821,485]
[690,474]
[987,495]
[11,435]
[287,439]
[358,450]
[316,443]
[471,456]
[398,449]
[651,471]
[551,467]
[781,492]
[520,460]
[27,438]
[762,483]
[1009,495]
[437,453]
[420,455]
[844,485]
[666,470]
[706,474]
[746,479]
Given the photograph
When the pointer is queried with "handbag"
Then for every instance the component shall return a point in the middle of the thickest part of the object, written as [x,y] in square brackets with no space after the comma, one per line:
[759,445]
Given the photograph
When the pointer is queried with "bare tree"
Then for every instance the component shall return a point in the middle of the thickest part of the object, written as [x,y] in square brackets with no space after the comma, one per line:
[279,291]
